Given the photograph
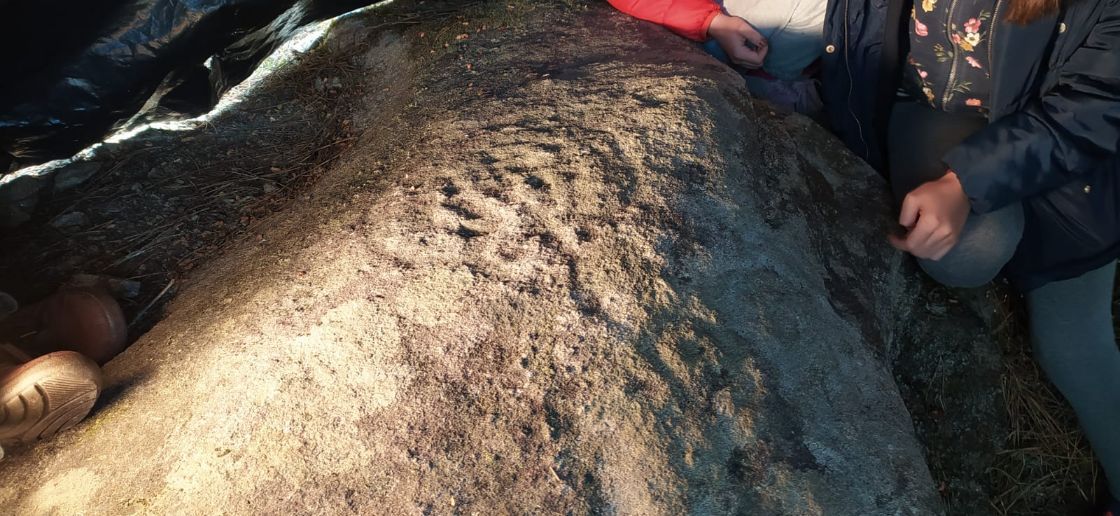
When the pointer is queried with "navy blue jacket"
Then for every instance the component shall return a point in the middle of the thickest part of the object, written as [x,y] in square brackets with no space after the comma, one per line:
[1053,140]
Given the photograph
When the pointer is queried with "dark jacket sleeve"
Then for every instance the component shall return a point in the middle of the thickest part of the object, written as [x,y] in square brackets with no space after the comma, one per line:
[1068,132]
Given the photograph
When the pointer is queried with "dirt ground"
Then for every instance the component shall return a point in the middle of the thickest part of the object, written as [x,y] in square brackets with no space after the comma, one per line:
[326,250]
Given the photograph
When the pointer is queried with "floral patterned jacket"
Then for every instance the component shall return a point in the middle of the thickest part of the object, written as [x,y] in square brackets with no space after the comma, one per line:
[951,53]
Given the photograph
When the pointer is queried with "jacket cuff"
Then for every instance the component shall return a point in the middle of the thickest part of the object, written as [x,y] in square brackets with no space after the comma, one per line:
[972,179]
[702,35]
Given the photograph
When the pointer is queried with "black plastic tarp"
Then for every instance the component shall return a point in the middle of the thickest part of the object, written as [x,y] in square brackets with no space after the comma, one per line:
[72,70]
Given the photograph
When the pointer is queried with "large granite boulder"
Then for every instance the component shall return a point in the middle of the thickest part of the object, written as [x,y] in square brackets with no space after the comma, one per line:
[567,267]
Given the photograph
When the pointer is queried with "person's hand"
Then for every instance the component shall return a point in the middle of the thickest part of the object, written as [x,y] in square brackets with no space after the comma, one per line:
[933,215]
[743,44]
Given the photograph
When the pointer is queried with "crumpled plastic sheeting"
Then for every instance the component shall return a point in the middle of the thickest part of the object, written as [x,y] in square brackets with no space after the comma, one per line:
[76,69]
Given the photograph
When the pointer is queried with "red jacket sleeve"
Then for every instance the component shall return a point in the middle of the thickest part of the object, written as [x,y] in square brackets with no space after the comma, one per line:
[689,18]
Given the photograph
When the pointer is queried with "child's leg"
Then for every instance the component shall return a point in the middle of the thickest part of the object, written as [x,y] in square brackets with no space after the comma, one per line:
[1074,342]
[986,244]
[799,96]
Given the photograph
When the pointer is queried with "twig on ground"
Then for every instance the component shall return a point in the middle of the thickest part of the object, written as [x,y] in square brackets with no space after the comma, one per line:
[144,311]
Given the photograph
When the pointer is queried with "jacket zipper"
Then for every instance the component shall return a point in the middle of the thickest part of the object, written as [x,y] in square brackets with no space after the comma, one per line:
[953,64]
[851,82]
[992,40]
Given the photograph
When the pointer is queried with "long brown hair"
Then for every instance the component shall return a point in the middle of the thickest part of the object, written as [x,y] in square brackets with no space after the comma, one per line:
[1026,11]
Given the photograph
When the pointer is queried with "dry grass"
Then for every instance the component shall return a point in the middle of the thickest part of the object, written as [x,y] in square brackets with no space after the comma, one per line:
[1046,467]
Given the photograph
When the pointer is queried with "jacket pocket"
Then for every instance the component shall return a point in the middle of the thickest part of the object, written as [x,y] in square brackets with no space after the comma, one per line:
[1084,211]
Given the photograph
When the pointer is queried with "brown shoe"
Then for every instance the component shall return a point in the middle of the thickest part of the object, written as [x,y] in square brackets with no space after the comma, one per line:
[41,397]
[87,321]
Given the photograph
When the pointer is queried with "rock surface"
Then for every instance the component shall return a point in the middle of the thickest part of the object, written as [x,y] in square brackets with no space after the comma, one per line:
[585,274]
[75,174]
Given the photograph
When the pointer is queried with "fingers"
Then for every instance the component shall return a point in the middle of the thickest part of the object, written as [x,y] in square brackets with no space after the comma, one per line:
[747,58]
[744,45]
[921,238]
[934,224]
[752,36]
[909,213]
[930,239]
[932,233]
[898,243]
[753,47]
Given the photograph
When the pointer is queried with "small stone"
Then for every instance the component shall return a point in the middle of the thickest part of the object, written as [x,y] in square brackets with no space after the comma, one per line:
[160,172]
[269,188]
[75,174]
[127,289]
[72,220]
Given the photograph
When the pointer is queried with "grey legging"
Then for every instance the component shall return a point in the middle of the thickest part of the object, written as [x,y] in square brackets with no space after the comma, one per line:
[1070,321]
